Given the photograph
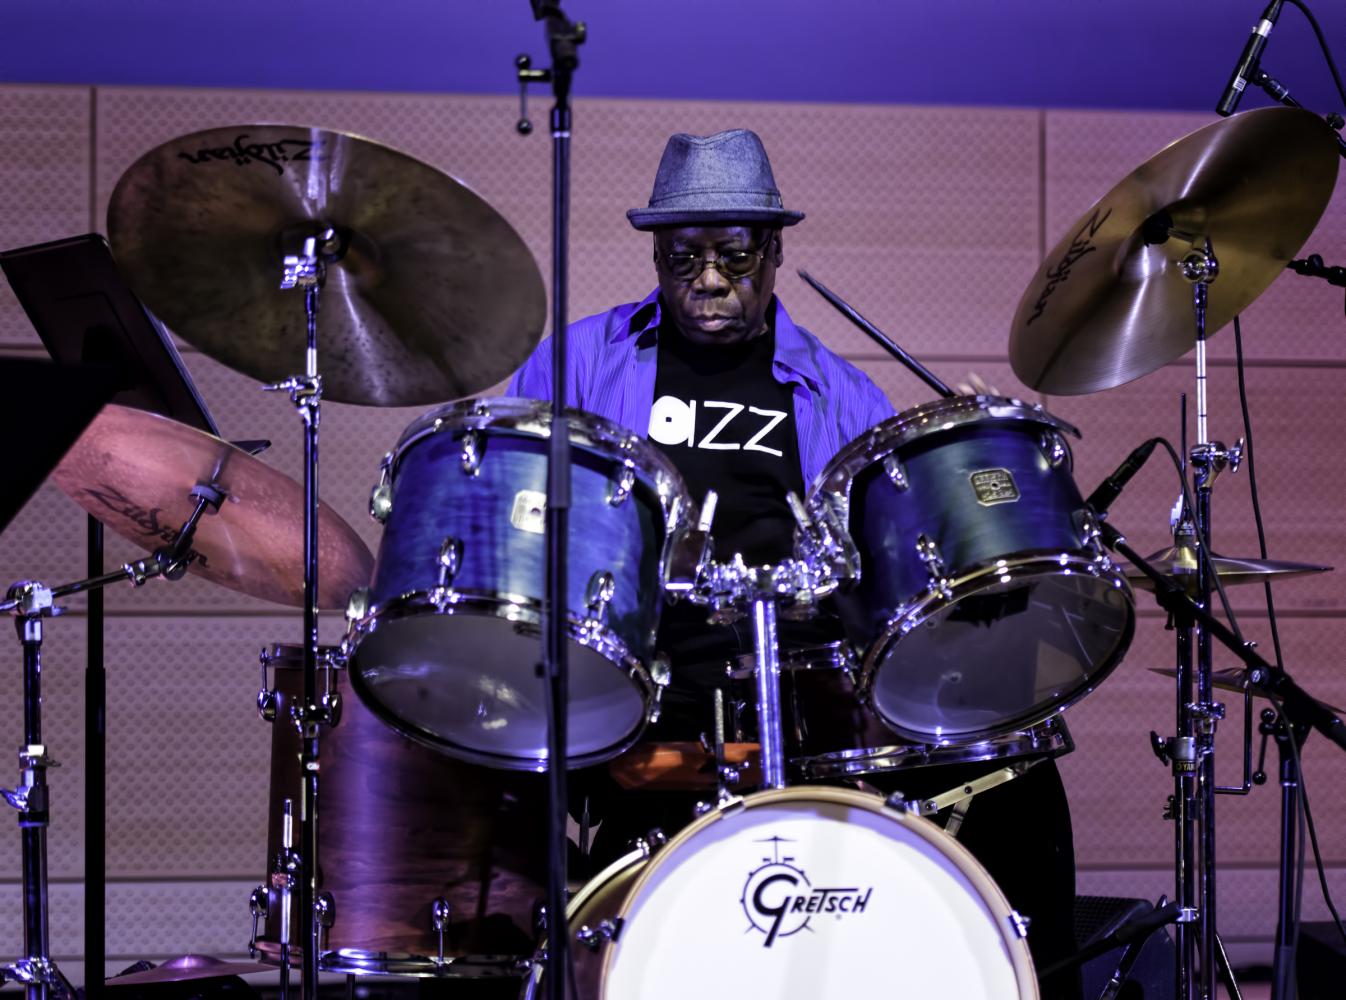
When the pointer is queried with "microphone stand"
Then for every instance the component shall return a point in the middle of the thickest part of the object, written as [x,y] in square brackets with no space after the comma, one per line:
[564,38]
[1279,92]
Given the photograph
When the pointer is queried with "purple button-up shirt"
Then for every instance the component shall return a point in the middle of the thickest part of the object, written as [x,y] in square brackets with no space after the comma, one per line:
[610,363]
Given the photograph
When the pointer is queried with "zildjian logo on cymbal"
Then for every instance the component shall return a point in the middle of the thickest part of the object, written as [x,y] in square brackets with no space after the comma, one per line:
[1082,244]
[273,154]
[775,905]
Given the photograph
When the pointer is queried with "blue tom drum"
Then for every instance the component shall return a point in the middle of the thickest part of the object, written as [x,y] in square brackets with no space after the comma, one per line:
[985,602]
[445,645]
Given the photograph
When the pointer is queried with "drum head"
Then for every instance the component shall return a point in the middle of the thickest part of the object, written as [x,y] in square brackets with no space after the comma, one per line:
[808,893]
[999,656]
[468,684]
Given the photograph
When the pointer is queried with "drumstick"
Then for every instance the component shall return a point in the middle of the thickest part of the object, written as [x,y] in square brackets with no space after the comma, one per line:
[843,307]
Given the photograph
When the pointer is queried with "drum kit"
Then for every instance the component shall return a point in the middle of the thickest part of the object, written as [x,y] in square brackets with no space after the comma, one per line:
[974,584]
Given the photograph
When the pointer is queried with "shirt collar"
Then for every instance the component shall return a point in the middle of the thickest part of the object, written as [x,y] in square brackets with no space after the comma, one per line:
[794,353]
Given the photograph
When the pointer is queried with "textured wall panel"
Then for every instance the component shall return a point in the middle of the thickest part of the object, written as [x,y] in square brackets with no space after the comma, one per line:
[1088,152]
[44,178]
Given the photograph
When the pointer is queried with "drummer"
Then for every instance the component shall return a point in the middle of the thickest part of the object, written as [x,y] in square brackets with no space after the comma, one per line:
[710,367]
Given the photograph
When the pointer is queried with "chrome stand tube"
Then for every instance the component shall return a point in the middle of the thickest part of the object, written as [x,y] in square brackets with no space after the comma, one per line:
[769,725]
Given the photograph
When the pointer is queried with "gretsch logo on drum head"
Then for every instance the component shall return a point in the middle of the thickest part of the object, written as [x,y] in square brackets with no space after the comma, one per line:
[779,900]
[994,486]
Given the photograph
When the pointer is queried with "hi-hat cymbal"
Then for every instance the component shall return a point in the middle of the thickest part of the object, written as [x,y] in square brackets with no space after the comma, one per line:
[1179,564]
[1108,305]
[134,471]
[1229,679]
[177,970]
[435,296]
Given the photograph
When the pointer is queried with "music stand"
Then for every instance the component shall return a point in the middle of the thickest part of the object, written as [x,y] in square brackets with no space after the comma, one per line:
[85,313]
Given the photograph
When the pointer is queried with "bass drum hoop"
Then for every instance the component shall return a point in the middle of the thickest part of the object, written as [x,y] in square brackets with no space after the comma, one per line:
[507,607]
[1026,567]
[953,851]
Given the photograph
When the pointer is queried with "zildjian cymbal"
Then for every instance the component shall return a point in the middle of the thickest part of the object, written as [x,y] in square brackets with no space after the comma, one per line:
[177,970]
[1179,564]
[1110,302]
[1229,679]
[432,295]
[135,471]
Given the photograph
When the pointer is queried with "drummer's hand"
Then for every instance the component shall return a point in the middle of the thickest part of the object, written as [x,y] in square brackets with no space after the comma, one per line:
[976,386]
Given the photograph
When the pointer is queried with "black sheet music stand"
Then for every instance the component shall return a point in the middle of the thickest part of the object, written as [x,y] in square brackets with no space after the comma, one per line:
[85,313]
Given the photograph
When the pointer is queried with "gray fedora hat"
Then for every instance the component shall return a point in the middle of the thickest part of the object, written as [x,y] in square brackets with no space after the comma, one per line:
[720,178]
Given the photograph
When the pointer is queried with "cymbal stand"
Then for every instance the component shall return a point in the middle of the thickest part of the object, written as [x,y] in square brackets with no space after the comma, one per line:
[31,602]
[308,271]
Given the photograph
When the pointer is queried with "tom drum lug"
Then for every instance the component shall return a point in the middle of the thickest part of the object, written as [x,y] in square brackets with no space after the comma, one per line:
[620,491]
[324,916]
[381,496]
[449,560]
[472,452]
[266,697]
[1055,449]
[593,937]
[441,915]
[927,550]
[598,595]
[357,606]
[257,904]
[897,475]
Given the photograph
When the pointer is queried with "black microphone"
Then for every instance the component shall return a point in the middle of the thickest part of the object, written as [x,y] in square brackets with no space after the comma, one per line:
[1247,64]
[1102,498]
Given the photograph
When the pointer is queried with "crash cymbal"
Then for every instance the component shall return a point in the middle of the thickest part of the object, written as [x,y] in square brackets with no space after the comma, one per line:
[1108,306]
[134,472]
[1228,679]
[435,295]
[1178,563]
[177,970]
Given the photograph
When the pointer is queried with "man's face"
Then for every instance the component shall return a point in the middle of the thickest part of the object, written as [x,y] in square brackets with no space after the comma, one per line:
[714,307]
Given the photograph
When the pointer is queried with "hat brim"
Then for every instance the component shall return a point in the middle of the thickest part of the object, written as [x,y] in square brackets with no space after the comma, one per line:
[646,219]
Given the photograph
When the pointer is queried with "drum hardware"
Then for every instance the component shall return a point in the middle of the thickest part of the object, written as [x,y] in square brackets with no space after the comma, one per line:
[959,798]
[729,590]
[441,915]
[185,969]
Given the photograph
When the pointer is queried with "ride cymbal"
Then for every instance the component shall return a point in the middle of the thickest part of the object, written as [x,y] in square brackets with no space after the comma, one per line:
[434,295]
[1110,304]
[134,471]
[1230,679]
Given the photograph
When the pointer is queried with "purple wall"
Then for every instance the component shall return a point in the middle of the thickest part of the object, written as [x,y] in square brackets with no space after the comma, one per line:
[1172,54]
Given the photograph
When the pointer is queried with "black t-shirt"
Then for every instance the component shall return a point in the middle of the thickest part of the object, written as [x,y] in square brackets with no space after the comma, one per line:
[728,425]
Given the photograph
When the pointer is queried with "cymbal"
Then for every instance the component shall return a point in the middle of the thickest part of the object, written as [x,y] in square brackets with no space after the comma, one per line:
[1178,563]
[1228,679]
[683,766]
[435,297]
[1107,307]
[134,472]
[177,970]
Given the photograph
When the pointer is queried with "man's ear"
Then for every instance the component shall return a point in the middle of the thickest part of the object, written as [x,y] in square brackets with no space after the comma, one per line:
[778,249]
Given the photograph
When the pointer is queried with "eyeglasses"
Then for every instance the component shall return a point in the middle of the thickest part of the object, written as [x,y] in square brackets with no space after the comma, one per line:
[734,264]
